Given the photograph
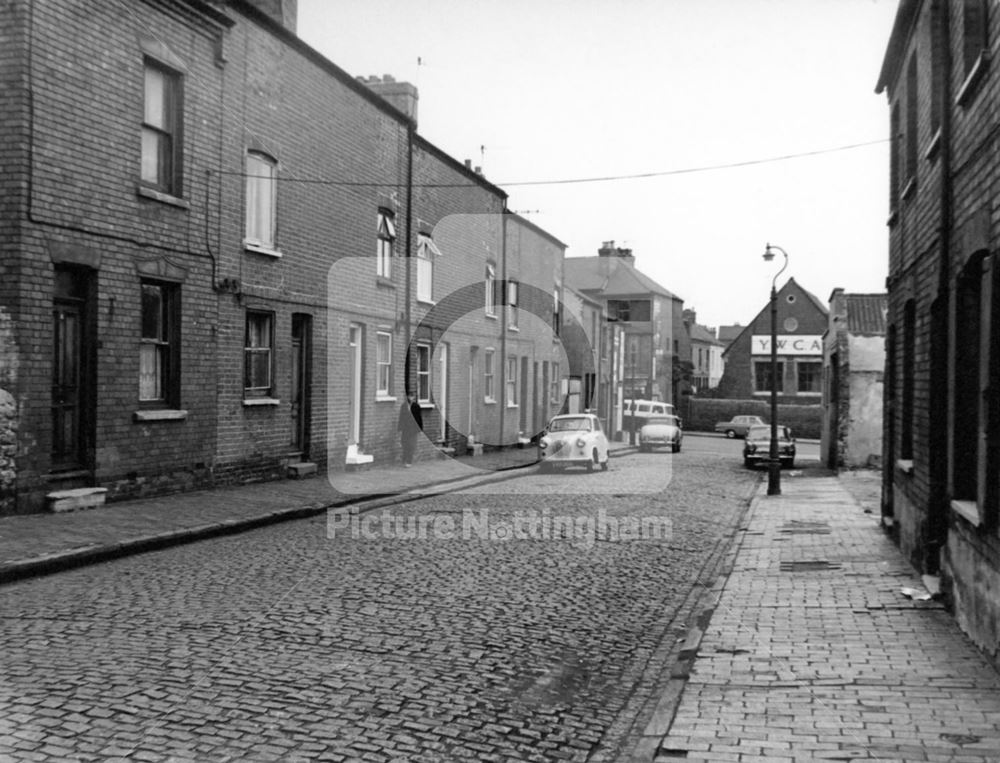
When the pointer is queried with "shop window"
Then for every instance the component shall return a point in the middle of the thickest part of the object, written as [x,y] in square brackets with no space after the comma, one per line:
[810,376]
[762,376]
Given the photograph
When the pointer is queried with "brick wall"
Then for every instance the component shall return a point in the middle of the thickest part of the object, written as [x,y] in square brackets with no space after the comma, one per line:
[923,270]
[793,303]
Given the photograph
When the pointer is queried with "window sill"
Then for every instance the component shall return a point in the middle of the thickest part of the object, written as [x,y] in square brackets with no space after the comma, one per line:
[385,399]
[427,405]
[513,405]
[428,302]
[904,465]
[160,414]
[385,283]
[968,510]
[969,87]
[251,402]
[909,189]
[514,328]
[261,249]
[800,393]
[489,401]
[163,198]
[933,147]
[491,316]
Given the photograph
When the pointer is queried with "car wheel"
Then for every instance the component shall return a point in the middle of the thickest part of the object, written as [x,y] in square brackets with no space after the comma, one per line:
[676,448]
[748,463]
[730,434]
[788,463]
[604,466]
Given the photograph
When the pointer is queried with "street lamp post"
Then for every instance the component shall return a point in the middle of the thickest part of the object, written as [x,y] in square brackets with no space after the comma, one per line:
[774,463]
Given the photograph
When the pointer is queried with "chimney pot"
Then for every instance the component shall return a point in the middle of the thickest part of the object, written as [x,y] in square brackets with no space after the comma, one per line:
[468,164]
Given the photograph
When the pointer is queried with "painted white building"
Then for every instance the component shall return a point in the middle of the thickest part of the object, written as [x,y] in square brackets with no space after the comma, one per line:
[853,373]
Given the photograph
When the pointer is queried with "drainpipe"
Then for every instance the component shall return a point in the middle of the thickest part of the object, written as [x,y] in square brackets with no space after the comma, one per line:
[409,251]
[503,319]
[937,530]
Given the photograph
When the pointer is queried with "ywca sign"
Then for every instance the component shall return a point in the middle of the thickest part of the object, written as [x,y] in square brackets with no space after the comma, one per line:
[788,344]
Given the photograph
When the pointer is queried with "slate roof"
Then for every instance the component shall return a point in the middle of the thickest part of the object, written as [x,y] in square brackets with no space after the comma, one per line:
[611,276]
[701,334]
[866,313]
[729,333]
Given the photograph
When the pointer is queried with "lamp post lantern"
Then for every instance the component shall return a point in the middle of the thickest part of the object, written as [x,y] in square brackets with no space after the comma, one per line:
[774,464]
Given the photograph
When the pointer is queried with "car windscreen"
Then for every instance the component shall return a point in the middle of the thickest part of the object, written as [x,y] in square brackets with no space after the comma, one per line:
[570,425]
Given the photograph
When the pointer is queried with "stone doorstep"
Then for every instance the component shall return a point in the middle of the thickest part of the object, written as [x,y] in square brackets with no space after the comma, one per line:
[302,469]
[75,498]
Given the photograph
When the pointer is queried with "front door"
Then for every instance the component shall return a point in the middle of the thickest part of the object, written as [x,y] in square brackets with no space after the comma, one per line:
[354,374]
[301,383]
[441,393]
[72,414]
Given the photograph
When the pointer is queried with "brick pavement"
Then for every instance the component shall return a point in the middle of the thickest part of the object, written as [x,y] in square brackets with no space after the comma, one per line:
[41,543]
[813,653]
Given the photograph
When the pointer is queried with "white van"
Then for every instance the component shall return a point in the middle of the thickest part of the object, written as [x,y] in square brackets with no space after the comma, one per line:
[643,410]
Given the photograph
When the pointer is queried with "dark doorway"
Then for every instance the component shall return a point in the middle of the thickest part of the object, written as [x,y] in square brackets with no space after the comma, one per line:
[72,369]
[301,381]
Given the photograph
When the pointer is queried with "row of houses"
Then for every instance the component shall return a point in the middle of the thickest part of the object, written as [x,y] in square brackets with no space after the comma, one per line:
[941,488]
[224,258]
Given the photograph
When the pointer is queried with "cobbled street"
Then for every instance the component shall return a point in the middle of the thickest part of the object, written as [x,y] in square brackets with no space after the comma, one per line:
[287,644]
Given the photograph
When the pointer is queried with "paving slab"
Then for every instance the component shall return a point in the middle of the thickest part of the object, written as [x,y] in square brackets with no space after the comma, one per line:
[814,652]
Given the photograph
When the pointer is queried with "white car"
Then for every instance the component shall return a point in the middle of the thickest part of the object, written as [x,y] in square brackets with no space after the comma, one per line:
[574,439]
[661,431]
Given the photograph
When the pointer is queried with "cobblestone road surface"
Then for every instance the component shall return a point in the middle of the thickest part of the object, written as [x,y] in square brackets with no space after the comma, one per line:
[522,636]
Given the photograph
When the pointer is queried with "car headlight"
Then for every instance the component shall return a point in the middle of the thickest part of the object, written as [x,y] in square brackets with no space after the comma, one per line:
[580,442]
[544,442]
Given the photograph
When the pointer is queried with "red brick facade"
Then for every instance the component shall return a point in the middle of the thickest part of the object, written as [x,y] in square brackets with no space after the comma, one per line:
[197,281]
[800,318]
[941,454]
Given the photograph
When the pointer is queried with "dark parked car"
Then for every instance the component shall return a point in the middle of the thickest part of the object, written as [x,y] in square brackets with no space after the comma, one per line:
[738,425]
[757,448]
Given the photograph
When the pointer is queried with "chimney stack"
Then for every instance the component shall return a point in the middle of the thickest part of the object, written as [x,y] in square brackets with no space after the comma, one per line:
[285,12]
[402,95]
[608,249]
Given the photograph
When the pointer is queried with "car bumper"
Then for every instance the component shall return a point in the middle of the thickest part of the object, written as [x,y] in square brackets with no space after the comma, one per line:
[763,455]
[567,454]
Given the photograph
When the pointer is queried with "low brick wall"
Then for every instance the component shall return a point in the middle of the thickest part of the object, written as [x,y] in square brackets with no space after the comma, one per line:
[701,415]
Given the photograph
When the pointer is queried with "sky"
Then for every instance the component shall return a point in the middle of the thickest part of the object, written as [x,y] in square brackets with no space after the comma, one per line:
[543,93]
